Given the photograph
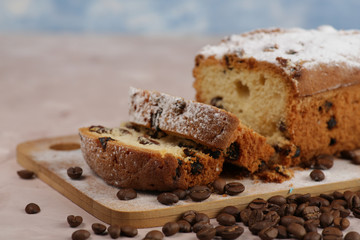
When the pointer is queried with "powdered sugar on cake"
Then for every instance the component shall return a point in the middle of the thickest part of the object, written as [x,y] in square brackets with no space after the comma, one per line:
[308,48]
[193,120]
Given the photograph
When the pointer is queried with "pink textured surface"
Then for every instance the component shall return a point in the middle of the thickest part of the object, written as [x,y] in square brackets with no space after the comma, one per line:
[51,86]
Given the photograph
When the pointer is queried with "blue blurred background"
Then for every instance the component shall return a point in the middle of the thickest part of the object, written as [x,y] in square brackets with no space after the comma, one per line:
[173,17]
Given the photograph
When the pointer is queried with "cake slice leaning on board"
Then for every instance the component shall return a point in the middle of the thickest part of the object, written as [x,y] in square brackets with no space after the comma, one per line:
[201,123]
[298,88]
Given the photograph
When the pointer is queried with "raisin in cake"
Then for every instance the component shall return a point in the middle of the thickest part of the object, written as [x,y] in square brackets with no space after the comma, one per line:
[202,123]
[135,157]
[298,88]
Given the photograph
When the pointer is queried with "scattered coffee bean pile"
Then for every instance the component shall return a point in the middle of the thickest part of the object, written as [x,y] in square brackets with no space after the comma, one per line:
[201,193]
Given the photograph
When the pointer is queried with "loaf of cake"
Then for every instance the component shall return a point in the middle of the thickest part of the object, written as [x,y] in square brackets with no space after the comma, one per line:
[298,88]
[205,124]
[136,157]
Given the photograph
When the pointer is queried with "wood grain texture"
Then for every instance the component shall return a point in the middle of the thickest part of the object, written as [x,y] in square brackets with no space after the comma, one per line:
[36,156]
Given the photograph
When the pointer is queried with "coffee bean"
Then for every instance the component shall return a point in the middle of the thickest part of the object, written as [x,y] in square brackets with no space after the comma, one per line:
[256,216]
[326,220]
[126,194]
[272,216]
[26,174]
[170,228]
[167,198]
[349,155]
[302,198]
[219,185]
[182,194]
[339,202]
[311,225]
[202,217]
[328,197]
[312,236]
[268,233]
[184,226]
[225,219]
[278,200]
[282,232]
[324,162]
[128,231]
[317,175]
[219,230]
[189,216]
[338,195]
[292,198]
[154,235]
[258,203]
[311,212]
[319,202]
[32,208]
[74,221]
[199,193]
[98,228]
[352,236]
[356,160]
[353,201]
[114,231]
[258,226]
[80,235]
[245,215]
[300,209]
[75,172]
[272,207]
[341,223]
[356,212]
[296,230]
[234,188]
[348,194]
[231,232]
[201,225]
[232,210]
[287,220]
[206,234]
[287,209]
[332,233]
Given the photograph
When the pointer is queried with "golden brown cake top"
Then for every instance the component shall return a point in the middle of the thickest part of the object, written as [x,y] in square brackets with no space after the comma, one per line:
[315,53]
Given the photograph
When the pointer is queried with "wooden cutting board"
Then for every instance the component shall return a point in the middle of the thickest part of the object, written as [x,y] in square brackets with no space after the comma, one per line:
[50,159]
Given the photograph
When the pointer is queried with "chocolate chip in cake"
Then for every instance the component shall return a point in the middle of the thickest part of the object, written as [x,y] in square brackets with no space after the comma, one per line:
[80,235]
[146,140]
[168,198]
[98,228]
[196,167]
[74,221]
[126,194]
[328,105]
[233,152]
[282,126]
[103,141]
[199,193]
[212,153]
[26,174]
[75,172]
[332,141]
[317,175]
[331,123]
[98,129]
[179,107]
[154,119]
[216,101]
[228,62]
[32,208]
[188,152]
[297,152]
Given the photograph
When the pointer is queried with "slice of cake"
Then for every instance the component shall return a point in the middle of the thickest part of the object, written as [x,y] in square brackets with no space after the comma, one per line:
[205,124]
[135,157]
[298,88]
